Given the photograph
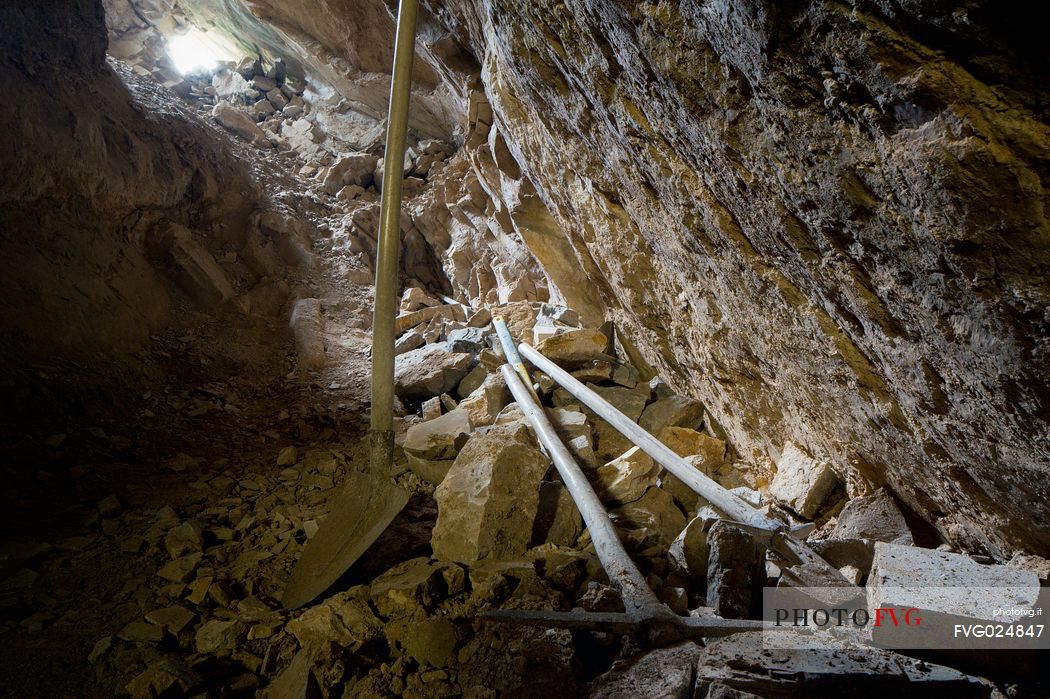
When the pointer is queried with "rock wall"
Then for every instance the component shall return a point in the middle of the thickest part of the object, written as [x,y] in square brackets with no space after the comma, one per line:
[826,220]
[110,195]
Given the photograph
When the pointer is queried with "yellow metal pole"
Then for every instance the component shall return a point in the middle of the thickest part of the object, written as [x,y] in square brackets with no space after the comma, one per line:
[381,456]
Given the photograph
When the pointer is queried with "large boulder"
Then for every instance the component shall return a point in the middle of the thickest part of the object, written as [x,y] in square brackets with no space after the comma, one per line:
[629,401]
[352,169]
[485,403]
[574,345]
[240,123]
[676,411]
[944,587]
[651,520]
[344,621]
[802,483]
[702,451]
[488,501]
[766,665]
[429,371]
[688,553]
[875,517]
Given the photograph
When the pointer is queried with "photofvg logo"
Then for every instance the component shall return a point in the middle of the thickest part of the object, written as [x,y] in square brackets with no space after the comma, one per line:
[908,618]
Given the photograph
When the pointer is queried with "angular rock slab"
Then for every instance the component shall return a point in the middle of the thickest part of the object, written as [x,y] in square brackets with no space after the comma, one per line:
[626,478]
[652,520]
[801,483]
[574,345]
[429,371]
[488,501]
[836,669]
[909,577]
[676,411]
[735,571]
[431,446]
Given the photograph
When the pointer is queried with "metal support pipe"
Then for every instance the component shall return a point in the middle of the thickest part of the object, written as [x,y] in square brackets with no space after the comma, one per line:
[721,499]
[381,457]
[510,351]
[622,571]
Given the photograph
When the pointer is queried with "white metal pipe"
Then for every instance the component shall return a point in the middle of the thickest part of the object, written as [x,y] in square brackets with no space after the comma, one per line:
[721,499]
[617,564]
[510,351]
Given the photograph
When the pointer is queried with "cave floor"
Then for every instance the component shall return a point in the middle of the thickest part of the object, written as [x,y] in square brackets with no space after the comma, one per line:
[189,431]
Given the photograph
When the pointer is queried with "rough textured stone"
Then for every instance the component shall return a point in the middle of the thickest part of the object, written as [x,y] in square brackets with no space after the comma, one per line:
[688,553]
[485,403]
[735,571]
[488,501]
[626,478]
[218,637]
[344,619]
[676,411]
[629,401]
[431,642]
[574,345]
[409,588]
[357,169]
[874,517]
[238,121]
[574,430]
[432,446]
[802,483]
[429,371]
[558,520]
[666,673]
[308,329]
[425,315]
[907,576]
[652,520]
[703,452]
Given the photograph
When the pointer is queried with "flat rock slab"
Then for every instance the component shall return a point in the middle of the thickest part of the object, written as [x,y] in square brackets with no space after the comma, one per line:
[743,662]
[907,577]
[574,345]
[448,312]
[430,371]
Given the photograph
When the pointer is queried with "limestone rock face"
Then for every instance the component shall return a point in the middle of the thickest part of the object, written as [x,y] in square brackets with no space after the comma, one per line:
[834,221]
[488,501]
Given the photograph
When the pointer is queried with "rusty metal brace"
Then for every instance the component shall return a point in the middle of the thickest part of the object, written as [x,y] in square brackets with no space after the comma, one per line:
[645,616]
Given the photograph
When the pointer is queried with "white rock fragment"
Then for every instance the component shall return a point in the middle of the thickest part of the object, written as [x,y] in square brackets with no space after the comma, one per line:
[308,330]
[802,483]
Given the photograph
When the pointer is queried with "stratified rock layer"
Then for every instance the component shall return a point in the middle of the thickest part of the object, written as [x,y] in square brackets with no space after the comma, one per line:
[824,221]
